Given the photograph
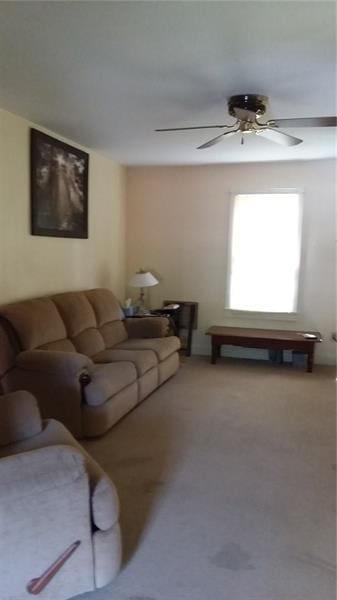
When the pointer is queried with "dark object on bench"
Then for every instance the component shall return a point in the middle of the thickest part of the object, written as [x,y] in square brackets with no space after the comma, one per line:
[271,339]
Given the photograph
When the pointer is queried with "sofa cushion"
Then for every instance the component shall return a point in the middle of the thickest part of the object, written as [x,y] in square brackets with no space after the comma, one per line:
[163,347]
[60,346]
[80,321]
[76,312]
[107,380]
[113,333]
[37,322]
[144,360]
[105,306]
[108,315]
[89,342]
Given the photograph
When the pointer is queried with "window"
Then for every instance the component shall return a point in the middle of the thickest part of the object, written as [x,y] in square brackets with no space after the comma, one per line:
[265,252]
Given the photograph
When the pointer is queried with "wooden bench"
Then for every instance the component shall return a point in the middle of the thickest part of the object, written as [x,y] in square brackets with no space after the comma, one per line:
[271,339]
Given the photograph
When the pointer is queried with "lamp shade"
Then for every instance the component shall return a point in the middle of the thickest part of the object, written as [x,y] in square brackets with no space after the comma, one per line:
[143,280]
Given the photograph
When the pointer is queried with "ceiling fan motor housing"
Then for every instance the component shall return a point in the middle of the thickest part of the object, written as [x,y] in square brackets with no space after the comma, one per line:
[252,102]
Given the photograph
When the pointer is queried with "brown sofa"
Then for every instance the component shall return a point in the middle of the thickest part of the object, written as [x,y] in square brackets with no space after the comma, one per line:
[86,365]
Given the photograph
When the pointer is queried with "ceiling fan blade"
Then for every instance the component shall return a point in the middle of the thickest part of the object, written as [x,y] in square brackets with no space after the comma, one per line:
[200,127]
[307,122]
[274,135]
[217,139]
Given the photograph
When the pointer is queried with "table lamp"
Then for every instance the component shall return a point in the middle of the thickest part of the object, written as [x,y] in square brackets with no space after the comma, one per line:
[142,279]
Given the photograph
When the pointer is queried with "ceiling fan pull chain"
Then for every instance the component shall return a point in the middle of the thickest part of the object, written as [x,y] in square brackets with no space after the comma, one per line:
[242,140]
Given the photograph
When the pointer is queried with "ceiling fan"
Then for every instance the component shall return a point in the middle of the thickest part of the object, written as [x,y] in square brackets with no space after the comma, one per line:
[247,110]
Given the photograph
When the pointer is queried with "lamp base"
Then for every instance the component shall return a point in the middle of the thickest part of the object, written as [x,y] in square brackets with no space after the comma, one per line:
[141,310]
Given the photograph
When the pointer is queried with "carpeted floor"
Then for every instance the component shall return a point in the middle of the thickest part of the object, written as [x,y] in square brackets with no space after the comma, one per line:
[226,477]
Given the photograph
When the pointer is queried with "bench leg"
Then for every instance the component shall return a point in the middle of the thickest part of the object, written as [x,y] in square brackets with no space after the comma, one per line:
[310,360]
[215,352]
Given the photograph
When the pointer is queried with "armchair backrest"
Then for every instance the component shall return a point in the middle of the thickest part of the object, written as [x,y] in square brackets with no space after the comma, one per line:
[19,417]
[9,347]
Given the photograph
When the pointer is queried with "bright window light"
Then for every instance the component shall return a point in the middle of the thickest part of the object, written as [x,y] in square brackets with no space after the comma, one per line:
[265,252]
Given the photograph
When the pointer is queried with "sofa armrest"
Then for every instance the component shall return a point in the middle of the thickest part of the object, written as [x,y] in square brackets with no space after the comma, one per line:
[37,471]
[56,379]
[54,362]
[19,417]
[147,327]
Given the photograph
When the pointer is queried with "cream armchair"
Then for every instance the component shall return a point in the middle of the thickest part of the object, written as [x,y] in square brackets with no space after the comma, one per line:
[59,530]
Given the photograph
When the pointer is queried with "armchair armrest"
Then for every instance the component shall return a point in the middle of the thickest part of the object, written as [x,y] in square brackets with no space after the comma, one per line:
[53,362]
[147,327]
[19,417]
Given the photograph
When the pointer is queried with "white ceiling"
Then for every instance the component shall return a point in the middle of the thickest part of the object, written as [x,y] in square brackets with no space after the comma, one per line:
[106,74]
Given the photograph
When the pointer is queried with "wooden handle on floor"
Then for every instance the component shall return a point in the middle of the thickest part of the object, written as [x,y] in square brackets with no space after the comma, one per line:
[35,586]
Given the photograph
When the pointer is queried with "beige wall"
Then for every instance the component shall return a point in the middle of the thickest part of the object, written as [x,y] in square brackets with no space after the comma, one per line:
[178,221]
[34,265]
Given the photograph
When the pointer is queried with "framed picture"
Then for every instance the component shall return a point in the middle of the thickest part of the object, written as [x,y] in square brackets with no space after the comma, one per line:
[59,188]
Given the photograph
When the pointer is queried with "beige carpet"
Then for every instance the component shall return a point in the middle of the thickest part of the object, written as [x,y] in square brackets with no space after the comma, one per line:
[226,477]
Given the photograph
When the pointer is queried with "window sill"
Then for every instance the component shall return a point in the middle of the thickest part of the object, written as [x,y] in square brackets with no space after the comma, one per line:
[261,316]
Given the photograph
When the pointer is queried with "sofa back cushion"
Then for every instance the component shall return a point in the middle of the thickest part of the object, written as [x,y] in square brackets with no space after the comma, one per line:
[105,306]
[76,312]
[113,333]
[36,322]
[80,322]
[109,316]
[86,322]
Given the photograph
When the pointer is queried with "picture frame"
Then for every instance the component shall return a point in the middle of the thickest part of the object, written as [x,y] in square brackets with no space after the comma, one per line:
[59,187]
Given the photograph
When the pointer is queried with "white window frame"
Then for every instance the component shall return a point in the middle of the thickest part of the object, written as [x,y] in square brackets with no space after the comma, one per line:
[262,315]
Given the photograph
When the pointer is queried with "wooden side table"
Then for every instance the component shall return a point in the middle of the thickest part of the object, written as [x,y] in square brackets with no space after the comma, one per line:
[186,320]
